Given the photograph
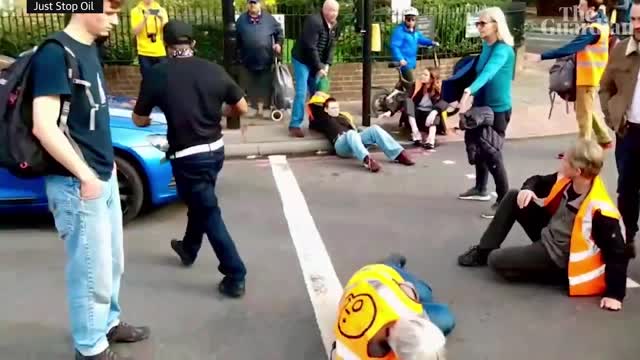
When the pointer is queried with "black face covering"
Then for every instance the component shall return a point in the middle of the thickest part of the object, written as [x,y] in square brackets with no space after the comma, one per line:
[182,52]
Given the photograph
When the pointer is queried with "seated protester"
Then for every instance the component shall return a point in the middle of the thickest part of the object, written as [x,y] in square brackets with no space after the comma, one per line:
[430,109]
[573,224]
[338,127]
[386,312]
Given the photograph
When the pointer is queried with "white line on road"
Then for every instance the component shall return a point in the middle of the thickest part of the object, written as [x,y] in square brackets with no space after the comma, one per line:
[320,277]
[632,284]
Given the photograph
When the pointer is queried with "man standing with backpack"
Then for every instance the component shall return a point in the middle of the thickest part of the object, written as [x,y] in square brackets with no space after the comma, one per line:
[83,194]
[591,51]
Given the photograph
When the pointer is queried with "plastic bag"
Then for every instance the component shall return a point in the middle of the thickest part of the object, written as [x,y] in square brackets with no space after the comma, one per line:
[283,90]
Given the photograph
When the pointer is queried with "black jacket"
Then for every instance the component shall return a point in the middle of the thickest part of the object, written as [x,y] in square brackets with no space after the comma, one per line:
[605,232]
[255,41]
[481,139]
[331,127]
[316,45]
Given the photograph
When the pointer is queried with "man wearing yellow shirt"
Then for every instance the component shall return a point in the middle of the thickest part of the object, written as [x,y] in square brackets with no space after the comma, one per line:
[147,20]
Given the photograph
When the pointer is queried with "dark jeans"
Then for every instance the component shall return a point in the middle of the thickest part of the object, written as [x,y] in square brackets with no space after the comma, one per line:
[529,262]
[147,62]
[627,161]
[495,165]
[196,177]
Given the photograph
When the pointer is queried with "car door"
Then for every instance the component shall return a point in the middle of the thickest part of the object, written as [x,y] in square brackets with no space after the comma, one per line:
[20,192]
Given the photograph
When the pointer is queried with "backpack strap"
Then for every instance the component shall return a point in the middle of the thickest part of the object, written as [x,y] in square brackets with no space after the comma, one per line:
[73,74]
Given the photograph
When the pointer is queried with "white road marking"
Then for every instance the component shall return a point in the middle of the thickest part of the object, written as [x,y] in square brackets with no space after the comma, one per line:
[322,282]
[471,176]
[632,284]
[448,162]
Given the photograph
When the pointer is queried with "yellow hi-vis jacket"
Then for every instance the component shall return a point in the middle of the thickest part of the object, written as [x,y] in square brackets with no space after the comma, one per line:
[371,300]
[591,62]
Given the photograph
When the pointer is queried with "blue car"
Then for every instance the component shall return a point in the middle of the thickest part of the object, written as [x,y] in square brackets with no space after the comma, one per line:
[145,178]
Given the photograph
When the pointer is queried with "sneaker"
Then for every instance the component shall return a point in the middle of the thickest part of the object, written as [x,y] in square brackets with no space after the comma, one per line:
[395,259]
[491,213]
[474,257]
[371,164]
[232,288]
[404,159]
[178,247]
[105,355]
[125,333]
[429,146]
[475,194]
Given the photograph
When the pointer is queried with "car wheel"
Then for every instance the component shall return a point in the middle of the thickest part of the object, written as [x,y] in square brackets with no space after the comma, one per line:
[131,189]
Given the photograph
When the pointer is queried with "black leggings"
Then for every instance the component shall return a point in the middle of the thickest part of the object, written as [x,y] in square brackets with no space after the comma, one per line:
[494,165]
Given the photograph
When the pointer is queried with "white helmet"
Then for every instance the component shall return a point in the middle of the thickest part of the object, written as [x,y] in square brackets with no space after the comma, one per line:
[410,11]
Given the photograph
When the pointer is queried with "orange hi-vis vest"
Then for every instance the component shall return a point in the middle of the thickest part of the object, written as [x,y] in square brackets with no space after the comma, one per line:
[372,299]
[586,266]
[592,61]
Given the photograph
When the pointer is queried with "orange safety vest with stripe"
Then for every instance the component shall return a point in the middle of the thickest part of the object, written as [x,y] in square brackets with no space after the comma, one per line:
[592,61]
[586,268]
[372,299]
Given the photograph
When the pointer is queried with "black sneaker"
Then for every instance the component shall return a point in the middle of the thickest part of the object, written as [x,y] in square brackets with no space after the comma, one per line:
[395,259]
[178,247]
[491,212]
[474,257]
[105,355]
[125,333]
[231,288]
[475,194]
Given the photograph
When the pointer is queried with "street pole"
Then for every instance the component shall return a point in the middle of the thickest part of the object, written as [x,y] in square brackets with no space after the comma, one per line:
[366,61]
[228,19]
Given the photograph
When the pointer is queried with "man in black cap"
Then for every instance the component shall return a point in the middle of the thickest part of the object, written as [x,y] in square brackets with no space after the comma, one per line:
[191,92]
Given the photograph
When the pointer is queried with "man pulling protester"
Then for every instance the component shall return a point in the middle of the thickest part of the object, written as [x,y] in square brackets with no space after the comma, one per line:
[191,91]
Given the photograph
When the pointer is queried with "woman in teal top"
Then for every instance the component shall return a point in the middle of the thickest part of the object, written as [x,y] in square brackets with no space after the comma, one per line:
[492,88]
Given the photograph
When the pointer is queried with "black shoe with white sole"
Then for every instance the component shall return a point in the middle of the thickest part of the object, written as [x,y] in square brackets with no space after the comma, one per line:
[475,194]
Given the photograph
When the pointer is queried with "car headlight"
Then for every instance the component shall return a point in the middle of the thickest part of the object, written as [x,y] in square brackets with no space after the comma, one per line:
[159,142]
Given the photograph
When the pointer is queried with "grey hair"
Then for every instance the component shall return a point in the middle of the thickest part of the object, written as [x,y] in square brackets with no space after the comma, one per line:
[417,338]
[496,14]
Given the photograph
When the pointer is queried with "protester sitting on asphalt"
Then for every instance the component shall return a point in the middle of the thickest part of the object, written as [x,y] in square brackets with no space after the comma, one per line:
[430,109]
[387,312]
[574,226]
[591,51]
[339,128]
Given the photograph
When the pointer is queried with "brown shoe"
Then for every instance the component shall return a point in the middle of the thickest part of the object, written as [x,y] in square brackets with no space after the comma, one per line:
[371,164]
[125,333]
[404,159]
[296,132]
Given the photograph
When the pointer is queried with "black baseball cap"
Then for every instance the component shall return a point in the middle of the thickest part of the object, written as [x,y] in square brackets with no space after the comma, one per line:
[177,32]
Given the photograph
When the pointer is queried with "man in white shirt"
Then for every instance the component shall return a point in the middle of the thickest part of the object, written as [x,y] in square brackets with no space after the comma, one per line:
[620,100]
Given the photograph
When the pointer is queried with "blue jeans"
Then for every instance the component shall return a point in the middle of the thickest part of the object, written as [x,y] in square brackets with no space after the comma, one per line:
[92,235]
[439,314]
[196,177]
[147,62]
[305,84]
[352,143]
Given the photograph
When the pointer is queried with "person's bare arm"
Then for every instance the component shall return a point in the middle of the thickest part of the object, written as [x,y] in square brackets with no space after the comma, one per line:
[141,121]
[238,109]
[45,128]
[137,27]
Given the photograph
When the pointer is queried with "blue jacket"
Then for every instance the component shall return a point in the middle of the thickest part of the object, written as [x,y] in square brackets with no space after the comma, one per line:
[404,45]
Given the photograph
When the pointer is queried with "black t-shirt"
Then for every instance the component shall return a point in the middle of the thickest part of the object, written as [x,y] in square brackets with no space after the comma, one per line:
[49,77]
[330,126]
[190,91]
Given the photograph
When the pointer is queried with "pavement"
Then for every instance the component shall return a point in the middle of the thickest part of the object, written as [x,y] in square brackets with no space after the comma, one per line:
[303,225]
[531,106]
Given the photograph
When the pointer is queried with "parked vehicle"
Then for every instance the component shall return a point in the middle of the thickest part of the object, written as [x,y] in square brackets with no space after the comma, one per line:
[145,178]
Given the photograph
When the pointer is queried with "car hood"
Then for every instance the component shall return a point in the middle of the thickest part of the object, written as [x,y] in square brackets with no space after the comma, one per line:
[121,110]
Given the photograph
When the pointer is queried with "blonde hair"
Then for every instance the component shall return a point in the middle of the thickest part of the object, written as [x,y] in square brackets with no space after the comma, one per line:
[586,155]
[417,338]
[496,14]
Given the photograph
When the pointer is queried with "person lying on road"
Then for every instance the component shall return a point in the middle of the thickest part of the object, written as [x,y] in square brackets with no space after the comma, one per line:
[338,127]
[574,226]
[386,312]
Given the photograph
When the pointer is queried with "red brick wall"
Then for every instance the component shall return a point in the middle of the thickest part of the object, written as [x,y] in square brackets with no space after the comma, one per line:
[346,79]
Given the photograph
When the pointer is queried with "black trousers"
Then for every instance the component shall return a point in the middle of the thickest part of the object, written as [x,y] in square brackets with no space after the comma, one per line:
[494,165]
[628,163]
[530,262]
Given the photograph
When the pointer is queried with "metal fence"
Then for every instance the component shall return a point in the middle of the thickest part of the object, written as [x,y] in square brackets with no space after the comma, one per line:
[20,31]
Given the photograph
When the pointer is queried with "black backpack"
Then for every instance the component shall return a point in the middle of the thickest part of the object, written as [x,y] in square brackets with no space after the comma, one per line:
[20,151]
[562,81]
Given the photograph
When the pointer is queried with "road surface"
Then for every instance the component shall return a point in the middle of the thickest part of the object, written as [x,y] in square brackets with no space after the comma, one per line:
[341,216]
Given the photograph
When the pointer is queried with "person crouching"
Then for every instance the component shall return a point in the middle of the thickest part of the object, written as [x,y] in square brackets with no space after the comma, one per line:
[339,128]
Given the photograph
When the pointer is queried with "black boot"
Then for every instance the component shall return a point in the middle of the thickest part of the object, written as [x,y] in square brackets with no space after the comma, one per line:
[474,257]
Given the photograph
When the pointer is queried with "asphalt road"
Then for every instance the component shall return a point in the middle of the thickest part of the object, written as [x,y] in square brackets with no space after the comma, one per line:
[537,42]
[360,217]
